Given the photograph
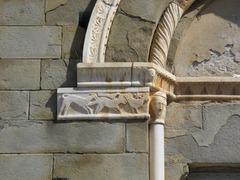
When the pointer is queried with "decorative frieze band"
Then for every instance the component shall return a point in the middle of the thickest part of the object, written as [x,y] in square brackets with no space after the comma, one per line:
[92,104]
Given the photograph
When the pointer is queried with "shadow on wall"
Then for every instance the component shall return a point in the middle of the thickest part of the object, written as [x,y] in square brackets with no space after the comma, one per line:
[220,8]
[75,56]
[223,9]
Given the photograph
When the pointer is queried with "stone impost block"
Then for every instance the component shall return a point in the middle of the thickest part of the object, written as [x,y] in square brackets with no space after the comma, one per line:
[104,74]
[14,105]
[43,105]
[27,167]
[22,12]
[19,74]
[30,42]
[135,74]
[48,137]
[99,167]
[92,104]
[137,137]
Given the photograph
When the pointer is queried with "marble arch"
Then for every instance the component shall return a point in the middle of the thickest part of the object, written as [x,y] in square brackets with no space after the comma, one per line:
[101,21]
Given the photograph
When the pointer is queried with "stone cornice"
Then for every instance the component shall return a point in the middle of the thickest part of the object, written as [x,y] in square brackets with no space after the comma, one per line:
[129,91]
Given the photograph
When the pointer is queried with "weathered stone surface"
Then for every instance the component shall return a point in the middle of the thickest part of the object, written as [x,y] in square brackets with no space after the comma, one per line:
[213,122]
[43,105]
[22,12]
[19,74]
[182,118]
[45,137]
[137,137]
[176,171]
[58,73]
[217,51]
[217,141]
[53,4]
[129,40]
[14,105]
[27,167]
[73,39]
[30,42]
[68,12]
[99,167]
[218,64]
[150,10]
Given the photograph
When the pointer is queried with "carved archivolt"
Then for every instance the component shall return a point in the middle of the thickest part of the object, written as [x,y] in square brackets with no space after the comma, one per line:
[101,21]
[98,30]
[165,29]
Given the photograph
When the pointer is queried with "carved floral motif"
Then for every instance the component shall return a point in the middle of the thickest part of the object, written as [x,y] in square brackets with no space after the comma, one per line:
[98,30]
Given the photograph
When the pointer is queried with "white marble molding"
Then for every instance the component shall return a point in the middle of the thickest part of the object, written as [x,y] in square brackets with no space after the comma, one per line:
[165,30]
[98,30]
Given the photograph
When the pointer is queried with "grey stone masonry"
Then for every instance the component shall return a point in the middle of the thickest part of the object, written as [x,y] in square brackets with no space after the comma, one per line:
[27,167]
[22,12]
[203,133]
[73,39]
[137,137]
[19,74]
[14,105]
[67,12]
[101,167]
[43,105]
[30,42]
[45,137]
[58,73]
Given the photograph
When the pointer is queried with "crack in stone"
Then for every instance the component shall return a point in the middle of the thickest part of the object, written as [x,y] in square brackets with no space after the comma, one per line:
[121,11]
[58,6]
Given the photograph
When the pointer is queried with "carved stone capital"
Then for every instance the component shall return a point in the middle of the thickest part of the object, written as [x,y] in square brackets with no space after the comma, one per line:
[158,106]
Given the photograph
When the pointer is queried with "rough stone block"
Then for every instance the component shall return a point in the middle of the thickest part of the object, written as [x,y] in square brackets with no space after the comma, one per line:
[67,12]
[14,105]
[216,141]
[130,40]
[99,167]
[149,10]
[48,137]
[73,40]
[43,105]
[58,73]
[19,74]
[22,12]
[30,42]
[27,167]
[182,118]
[137,137]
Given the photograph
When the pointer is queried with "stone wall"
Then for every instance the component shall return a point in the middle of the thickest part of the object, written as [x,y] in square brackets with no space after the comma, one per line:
[40,44]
